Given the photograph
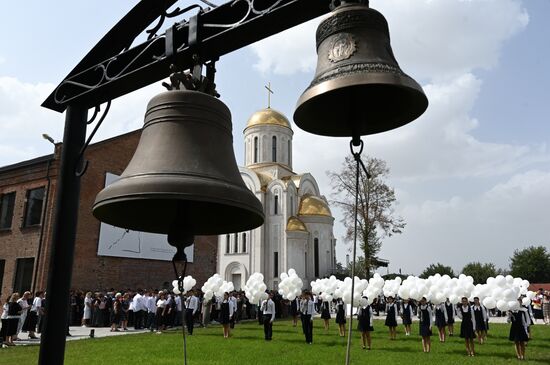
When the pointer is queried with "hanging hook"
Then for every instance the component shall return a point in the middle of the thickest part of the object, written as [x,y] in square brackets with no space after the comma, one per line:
[82,165]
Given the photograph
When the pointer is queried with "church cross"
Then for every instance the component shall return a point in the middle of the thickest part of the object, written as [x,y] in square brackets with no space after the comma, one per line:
[269,92]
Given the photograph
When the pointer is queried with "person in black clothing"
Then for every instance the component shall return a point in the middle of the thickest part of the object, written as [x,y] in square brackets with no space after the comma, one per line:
[341,317]
[518,330]
[464,311]
[325,313]
[14,313]
[364,319]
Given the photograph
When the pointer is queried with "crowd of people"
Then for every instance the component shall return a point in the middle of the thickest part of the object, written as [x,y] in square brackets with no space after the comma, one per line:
[157,310]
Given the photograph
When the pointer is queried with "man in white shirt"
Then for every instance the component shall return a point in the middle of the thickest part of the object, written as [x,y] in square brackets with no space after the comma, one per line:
[307,308]
[151,305]
[24,303]
[138,307]
[191,307]
[268,310]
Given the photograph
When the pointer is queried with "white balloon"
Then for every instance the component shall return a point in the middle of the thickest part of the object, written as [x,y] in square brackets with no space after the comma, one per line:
[502,305]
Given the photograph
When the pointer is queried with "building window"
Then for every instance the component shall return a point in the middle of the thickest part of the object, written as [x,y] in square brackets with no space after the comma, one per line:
[244,242]
[305,263]
[227,239]
[255,149]
[291,205]
[33,211]
[275,264]
[316,256]
[236,243]
[276,204]
[23,274]
[274,149]
[7,201]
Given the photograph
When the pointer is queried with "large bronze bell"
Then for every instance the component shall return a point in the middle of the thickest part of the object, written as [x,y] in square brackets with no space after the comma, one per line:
[183,179]
[358,86]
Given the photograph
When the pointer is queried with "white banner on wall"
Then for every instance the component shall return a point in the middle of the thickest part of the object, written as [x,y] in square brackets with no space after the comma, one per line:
[119,242]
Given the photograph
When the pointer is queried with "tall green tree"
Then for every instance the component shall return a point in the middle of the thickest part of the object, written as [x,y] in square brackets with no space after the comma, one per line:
[480,272]
[376,216]
[531,263]
[437,269]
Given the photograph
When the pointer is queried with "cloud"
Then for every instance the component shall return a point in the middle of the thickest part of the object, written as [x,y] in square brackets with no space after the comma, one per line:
[486,227]
[23,120]
[431,39]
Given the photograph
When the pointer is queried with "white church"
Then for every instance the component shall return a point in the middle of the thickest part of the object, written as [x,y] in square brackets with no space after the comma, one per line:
[298,228]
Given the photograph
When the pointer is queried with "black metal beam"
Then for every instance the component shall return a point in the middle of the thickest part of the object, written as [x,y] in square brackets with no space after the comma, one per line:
[222,30]
[52,340]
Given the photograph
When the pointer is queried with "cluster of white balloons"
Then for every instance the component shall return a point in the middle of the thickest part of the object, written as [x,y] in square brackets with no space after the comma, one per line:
[291,285]
[502,292]
[344,291]
[188,284]
[211,285]
[325,288]
[255,288]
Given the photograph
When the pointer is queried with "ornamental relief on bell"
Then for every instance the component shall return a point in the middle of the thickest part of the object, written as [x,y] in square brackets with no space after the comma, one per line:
[342,47]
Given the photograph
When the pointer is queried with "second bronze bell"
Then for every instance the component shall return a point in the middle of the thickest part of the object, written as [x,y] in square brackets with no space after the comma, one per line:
[358,87]
[183,176]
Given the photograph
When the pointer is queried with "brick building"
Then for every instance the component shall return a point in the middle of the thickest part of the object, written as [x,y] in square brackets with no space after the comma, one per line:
[27,199]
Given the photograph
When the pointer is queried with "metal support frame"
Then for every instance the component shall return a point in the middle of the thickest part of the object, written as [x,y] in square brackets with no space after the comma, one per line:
[114,68]
[52,342]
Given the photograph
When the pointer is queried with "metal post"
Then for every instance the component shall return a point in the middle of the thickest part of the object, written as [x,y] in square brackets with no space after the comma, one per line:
[52,343]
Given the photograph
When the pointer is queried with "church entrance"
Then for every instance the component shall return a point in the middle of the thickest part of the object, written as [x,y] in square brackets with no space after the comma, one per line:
[236,279]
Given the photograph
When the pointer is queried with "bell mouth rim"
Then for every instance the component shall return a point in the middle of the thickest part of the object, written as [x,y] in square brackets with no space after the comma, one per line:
[401,81]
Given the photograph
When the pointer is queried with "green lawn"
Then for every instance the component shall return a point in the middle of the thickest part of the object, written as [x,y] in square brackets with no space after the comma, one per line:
[246,346]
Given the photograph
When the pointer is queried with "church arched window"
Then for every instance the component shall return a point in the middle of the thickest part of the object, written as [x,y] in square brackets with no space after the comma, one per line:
[291,205]
[236,243]
[255,149]
[274,149]
[316,257]
[276,204]
[244,242]
[289,148]
[227,243]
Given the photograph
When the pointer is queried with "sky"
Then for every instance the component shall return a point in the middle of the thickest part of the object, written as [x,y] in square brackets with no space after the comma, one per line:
[472,175]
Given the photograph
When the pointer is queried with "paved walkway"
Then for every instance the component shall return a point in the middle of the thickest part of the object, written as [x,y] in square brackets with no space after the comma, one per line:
[82,333]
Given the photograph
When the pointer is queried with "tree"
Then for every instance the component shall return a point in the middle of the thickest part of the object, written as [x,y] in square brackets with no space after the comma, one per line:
[480,272]
[376,218]
[531,263]
[437,269]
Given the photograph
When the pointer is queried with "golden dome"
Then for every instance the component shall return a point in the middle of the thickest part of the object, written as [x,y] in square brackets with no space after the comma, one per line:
[268,116]
[313,205]
[295,224]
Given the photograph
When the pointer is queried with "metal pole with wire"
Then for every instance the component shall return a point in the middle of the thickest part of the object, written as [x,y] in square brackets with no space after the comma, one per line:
[359,165]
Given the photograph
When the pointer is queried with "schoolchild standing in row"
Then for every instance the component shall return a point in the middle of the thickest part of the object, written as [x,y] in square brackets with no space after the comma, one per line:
[365,324]
[406,316]
[467,326]
[341,317]
[480,313]
[268,310]
[226,313]
[307,308]
[425,324]
[325,313]
[441,320]
[451,314]
[518,330]
[391,317]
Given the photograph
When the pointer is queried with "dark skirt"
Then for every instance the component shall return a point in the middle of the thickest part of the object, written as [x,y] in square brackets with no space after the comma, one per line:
[159,317]
[325,312]
[425,330]
[518,333]
[293,308]
[480,322]
[440,319]
[31,322]
[224,313]
[363,324]
[390,321]
[3,329]
[407,320]
[11,328]
[341,315]
[467,329]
